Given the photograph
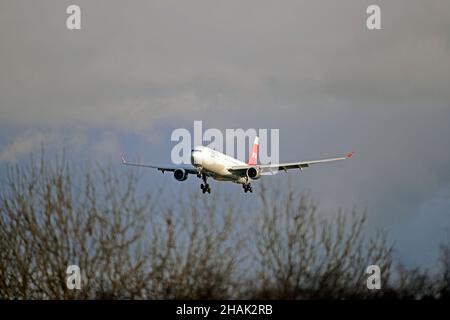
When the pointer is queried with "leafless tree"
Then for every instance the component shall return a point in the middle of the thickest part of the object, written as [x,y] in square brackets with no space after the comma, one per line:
[443,286]
[194,250]
[125,245]
[301,255]
[132,243]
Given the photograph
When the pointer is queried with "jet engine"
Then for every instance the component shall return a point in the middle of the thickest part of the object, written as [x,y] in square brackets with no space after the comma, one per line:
[253,173]
[180,174]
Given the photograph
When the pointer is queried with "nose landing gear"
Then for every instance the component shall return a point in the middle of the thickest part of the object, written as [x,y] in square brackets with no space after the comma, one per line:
[205,187]
[199,172]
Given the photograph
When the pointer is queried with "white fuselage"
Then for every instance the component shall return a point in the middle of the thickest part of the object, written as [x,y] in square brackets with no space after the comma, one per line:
[216,163]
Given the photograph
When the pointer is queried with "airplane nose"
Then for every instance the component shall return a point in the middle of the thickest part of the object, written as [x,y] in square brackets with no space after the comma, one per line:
[195,158]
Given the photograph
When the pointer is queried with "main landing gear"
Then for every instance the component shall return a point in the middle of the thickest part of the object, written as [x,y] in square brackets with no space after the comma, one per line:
[205,187]
[247,187]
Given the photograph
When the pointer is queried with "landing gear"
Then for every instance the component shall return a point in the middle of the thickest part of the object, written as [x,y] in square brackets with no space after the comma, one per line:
[205,187]
[247,187]
[199,172]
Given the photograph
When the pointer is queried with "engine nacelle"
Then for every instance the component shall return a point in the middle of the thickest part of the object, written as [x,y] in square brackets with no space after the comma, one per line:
[253,173]
[180,174]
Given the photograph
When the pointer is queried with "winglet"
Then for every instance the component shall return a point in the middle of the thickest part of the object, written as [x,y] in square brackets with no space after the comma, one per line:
[124,161]
[349,155]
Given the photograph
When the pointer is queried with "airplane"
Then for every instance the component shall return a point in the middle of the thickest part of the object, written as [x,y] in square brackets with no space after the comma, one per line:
[209,163]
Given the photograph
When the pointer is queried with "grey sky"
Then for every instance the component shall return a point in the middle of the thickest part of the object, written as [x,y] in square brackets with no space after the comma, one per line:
[138,69]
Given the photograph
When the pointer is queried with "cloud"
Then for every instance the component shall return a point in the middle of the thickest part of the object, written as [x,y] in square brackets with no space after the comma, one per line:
[75,142]
[23,145]
[133,67]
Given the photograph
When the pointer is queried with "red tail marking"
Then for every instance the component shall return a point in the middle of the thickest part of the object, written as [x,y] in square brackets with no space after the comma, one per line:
[253,159]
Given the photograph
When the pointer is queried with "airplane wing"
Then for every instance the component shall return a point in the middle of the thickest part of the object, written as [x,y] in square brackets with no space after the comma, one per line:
[188,169]
[272,168]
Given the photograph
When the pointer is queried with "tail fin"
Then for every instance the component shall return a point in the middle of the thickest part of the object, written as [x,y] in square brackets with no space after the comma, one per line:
[252,161]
